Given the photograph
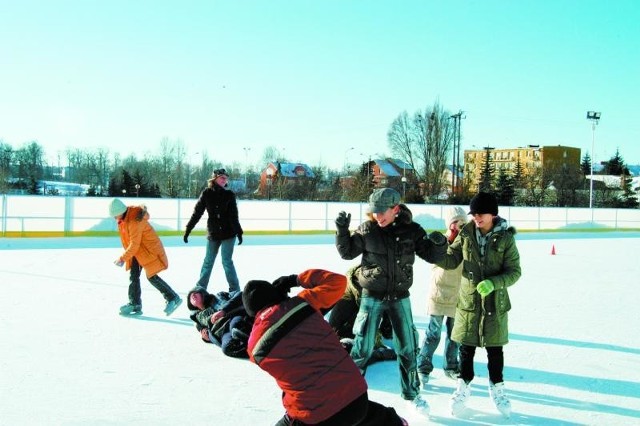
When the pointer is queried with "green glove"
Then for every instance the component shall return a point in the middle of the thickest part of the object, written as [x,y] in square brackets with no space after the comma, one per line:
[485,287]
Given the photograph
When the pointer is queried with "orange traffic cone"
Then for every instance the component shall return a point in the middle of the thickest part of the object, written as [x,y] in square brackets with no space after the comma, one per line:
[553,249]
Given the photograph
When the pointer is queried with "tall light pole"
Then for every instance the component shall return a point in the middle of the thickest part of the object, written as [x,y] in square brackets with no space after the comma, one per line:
[346,152]
[246,164]
[594,117]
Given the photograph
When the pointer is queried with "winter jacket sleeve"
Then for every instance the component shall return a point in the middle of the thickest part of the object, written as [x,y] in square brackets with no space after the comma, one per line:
[202,317]
[453,256]
[510,267]
[234,216]
[198,211]
[134,230]
[234,305]
[427,250]
[352,245]
[321,288]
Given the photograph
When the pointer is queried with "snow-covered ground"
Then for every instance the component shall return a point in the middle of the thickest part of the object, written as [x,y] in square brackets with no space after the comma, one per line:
[68,358]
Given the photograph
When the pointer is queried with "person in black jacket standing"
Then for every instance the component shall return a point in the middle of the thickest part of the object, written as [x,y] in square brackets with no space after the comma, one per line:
[223,226]
[388,243]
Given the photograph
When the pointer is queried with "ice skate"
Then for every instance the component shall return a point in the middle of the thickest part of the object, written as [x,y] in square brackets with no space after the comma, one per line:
[502,403]
[459,398]
[420,405]
[131,309]
[172,305]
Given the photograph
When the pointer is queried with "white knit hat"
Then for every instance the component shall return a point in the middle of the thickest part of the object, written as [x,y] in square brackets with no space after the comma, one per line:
[454,214]
[116,208]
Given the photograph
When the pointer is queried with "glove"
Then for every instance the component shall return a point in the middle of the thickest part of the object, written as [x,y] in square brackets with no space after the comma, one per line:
[239,239]
[118,262]
[453,232]
[343,220]
[437,238]
[204,333]
[285,282]
[485,287]
[185,238]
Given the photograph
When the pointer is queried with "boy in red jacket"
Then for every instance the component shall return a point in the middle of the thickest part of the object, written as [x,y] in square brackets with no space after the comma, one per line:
[322,386]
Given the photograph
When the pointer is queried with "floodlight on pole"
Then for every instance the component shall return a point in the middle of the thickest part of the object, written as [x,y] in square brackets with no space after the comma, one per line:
[246,165]
[594,117]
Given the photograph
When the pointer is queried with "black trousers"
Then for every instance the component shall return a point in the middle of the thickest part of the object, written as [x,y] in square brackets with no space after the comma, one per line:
[361,412]
[495,363]
[156,281]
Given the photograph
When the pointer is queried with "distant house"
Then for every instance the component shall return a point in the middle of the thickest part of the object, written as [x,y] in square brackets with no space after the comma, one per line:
[392,173]
[386,173]
[284,175]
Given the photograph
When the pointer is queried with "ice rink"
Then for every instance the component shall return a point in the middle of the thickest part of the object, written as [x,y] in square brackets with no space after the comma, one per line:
[68,358]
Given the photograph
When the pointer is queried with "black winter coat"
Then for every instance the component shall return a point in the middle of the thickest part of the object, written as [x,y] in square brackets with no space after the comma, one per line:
[222,208]
[388,254]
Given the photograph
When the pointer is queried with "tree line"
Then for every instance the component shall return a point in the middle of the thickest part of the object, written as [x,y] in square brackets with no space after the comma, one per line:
[424,140]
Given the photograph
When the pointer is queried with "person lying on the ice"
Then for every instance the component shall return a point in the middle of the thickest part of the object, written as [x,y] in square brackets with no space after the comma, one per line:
[221,319]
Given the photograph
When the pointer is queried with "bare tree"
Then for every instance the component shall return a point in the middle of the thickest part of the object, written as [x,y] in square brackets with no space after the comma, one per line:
[425,142]
[403,139]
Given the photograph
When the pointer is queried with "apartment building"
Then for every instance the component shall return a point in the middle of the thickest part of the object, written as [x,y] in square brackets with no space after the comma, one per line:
[532,158]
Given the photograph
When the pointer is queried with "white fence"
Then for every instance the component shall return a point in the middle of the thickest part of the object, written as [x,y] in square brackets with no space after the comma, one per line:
[26,215]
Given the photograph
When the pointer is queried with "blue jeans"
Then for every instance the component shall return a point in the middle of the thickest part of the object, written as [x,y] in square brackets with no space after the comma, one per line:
[226,249]
[431,342]
[405,338]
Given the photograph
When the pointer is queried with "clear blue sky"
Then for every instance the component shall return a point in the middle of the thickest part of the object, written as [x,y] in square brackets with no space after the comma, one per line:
[316,78]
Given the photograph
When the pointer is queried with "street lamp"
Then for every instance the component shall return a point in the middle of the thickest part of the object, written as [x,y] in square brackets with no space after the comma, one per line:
[594,117]
[246,161]
[404,187]
[137,189]
[190,175]
[344,164]
[269,180]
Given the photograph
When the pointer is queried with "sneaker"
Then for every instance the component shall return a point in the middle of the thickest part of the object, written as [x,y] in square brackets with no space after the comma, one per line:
[172,305]
[502,403]
[420,405]
[452,373]
[131,309]
[459,398]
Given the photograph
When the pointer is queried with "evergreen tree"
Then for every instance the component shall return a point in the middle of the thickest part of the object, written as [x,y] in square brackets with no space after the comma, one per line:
[504,188]
[585,166]
[486,177]
[518,174]
[615,166]
[629,199]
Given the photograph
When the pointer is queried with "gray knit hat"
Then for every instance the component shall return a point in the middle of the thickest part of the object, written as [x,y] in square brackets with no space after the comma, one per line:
[382,199]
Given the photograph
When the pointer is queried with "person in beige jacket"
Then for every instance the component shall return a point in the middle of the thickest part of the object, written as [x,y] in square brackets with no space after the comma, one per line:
[443,297]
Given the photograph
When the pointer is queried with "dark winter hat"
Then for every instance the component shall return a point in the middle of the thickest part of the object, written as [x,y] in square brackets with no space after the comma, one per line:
[382,199]
[258,295]
[219,172]
[483,202]
[196,289]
